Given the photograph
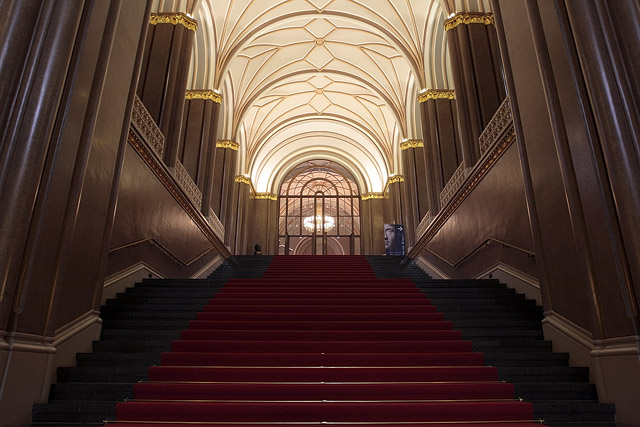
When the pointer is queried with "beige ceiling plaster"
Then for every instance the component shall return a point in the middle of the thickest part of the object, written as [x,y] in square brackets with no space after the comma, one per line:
[303,156]
[320,96]
[338,139]
[268,58]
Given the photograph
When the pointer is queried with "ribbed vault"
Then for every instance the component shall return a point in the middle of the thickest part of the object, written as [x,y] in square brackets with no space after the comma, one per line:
[339,76]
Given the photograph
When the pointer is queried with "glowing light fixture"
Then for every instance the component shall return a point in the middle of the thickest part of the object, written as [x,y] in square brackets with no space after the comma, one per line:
[311,223]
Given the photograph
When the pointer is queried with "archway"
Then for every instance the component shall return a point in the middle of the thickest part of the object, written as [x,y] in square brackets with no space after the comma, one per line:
[319,212]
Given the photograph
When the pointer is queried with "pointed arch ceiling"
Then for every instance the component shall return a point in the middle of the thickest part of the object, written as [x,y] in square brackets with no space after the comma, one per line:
[335,77]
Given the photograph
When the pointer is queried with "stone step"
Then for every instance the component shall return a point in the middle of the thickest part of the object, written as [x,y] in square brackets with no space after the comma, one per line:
[509,345]
[516,374]
[118,359]
[146,315]
[182,301]
[73,412]
[91,391]
[573,411]
[540,391]
[499,323]
[485,333]
[114,374]
[171,292]
[142,335]
[156,307]
[150,324]
[132,346]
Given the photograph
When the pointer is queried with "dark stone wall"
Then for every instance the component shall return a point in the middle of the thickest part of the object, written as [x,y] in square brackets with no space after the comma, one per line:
[153,227]
[495,212]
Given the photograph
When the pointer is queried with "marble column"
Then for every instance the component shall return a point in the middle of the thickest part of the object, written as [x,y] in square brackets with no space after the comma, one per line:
[224,179]
[198,145]
[163,80]
[415,177]
[442,146]
[477,75]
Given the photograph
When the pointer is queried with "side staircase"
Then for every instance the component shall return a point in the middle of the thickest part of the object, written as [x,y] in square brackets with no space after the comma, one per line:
[506,327]
[137,327]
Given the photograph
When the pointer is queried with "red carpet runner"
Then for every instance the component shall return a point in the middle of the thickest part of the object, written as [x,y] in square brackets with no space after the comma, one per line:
[320,340]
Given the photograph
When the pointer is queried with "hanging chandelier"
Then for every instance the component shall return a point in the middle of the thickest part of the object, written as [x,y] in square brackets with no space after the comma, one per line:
[312,223]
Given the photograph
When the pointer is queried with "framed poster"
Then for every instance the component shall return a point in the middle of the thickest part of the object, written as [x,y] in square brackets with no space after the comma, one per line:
[394,239]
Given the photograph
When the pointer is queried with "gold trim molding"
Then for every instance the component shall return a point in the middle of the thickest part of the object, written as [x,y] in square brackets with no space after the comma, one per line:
[469,18]
[383,195]
[411,143]
[243,179]
[206,94]
[265,196]
[393,179]
[174,19]
[232,145]
[436,94]
[368,196]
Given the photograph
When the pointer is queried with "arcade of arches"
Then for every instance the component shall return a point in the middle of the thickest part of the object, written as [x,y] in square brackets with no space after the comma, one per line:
[161,137]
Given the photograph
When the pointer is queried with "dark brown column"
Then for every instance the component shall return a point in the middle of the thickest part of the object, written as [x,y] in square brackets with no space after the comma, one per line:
[19,25]
[477,76]
[394,207]
[242,215]
[163,80]
[416,175]
[442,146]
[394,195]
[411,215]
[263,223]
[41,47]
[372,207]
[603,36]
[198,146]
[222,190]
[60,143]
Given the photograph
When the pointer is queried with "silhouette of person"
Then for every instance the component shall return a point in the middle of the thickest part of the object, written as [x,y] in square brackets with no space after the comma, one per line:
[257,250]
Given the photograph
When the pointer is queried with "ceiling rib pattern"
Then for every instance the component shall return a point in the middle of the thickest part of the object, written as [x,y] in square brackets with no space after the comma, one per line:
[348,68]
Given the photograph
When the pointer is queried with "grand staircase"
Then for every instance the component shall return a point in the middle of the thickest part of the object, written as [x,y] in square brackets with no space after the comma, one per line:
[317,340]
[507,329]
[137,328]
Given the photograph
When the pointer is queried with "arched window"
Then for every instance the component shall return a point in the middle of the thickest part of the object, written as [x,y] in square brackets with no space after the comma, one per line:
[319,211]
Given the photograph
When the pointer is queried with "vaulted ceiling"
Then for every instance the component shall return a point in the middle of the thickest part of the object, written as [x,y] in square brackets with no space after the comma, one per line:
[330,79]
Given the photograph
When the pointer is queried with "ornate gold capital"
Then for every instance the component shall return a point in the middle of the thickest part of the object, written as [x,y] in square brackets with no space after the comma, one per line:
[390,180]
[228,144]
[242,179]
[175,19]
[469,18]
[394,178]
[436,94]
[206,94]
[411,143]
[368,196]
[265,196]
